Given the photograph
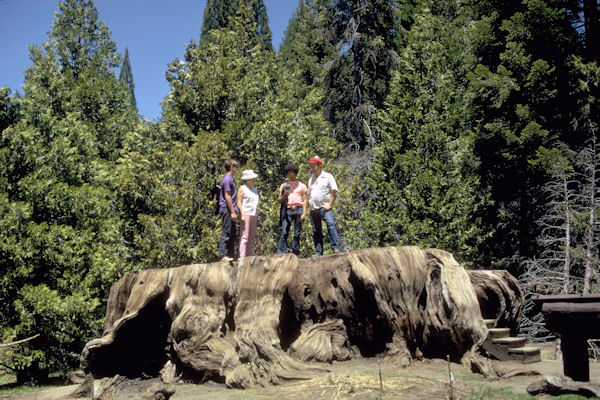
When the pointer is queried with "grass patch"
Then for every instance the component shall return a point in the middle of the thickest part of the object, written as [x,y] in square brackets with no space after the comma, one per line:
[9,386]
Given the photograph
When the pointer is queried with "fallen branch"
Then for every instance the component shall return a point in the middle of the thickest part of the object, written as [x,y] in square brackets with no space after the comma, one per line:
[19,341]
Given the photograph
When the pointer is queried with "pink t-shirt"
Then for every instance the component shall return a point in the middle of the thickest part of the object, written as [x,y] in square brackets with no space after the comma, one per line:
[295,197]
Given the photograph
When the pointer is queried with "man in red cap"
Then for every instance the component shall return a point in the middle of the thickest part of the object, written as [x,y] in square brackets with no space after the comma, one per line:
[322,190]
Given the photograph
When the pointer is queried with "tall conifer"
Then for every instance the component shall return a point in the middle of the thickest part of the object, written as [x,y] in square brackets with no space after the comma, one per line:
[425,191]
[60,228]
[126,77]
[358,81]
[218,14]
[526,100]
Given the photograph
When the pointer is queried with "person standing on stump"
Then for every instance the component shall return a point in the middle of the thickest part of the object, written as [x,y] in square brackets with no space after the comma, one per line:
[292,196]
[322,190]
[228,211]
[247,202]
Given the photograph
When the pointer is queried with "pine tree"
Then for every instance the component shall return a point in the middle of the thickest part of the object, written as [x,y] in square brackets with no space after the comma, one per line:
[526,99]
[305,45]
[590,204]
[61,246]
[126,77]
[365,33]
[219,13]
[424,188]
[9,108]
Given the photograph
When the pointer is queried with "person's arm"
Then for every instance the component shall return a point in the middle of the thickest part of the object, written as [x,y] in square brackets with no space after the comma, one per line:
[282,195]
[333,189]
[240,196]
[331,200]
[303,216]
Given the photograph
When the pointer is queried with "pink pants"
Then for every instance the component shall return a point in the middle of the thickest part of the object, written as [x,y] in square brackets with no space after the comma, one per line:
[247,234]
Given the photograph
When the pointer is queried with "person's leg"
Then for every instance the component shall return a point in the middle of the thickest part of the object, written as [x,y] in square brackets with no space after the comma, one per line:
[297,230]
[331,229]
[251,235]
[225,233]
[285,229]
[315,218]
[244,234]
[232,239]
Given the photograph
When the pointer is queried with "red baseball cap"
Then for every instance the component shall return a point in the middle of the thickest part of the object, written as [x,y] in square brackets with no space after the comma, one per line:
[315,160]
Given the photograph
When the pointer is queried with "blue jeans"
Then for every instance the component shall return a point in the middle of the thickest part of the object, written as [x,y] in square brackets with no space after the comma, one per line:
[228,235]
[287,218]
[316,216]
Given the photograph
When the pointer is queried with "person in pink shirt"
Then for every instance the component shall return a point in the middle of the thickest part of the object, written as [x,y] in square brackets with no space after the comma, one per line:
[292,196]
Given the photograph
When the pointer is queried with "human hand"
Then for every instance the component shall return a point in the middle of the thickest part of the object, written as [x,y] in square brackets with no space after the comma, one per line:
[303,217]
[233,216]
[327,207]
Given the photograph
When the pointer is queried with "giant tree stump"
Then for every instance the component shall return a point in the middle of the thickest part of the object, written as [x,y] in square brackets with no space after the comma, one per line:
[260,320]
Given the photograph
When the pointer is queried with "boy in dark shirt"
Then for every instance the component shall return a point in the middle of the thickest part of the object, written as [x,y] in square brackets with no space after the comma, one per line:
[228,211]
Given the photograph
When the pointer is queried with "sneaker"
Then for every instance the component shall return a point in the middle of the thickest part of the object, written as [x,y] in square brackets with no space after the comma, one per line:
[227,259]
[337,250]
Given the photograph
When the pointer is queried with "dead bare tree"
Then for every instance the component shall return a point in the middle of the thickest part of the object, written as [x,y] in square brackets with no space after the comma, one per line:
[550,273]
[589,198]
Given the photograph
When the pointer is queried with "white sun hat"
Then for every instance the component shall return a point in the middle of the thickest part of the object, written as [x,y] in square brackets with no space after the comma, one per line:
[248,174]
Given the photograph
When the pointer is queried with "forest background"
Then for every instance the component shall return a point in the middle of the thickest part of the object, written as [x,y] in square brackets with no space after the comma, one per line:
[465,125]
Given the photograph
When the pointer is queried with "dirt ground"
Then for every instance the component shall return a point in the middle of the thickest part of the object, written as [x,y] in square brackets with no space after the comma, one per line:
[360,379]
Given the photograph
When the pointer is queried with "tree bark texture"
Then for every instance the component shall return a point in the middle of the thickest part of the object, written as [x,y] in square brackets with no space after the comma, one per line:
[500,297]
[261,320]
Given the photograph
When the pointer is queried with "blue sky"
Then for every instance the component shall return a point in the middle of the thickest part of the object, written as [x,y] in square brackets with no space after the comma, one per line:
[155,32]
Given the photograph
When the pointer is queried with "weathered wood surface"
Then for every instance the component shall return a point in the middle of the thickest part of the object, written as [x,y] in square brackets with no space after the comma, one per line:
[500,297]
[556,385]
[259,320]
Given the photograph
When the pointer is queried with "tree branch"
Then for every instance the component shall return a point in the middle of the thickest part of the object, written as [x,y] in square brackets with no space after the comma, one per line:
[19,341]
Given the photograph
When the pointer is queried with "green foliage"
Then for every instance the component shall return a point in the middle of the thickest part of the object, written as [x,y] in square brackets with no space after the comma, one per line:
[219,14]
[63,323]
[61,241]
[126,77]
[357,83]
[307,45]
[9,108]
[422,177]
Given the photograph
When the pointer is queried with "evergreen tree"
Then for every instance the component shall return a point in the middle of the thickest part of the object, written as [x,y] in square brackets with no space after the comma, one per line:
[425,189]
[364,32]
[126,77]
[9,108]
[60,243]
[526,99]
[219,13]
[262,23]
[305,45]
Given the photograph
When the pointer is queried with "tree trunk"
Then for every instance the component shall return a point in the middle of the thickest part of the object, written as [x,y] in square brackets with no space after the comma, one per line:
[258,321]
[592,29]
[591,228]
[500,297]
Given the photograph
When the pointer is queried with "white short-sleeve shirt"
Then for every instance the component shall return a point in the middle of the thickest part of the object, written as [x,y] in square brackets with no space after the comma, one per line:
[319,189]
[249,200]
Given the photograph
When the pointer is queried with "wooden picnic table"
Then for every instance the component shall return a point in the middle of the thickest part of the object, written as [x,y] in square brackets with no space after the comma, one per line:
[575,318]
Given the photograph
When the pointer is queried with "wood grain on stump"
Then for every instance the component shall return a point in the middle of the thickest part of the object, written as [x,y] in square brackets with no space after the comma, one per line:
[260,320]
